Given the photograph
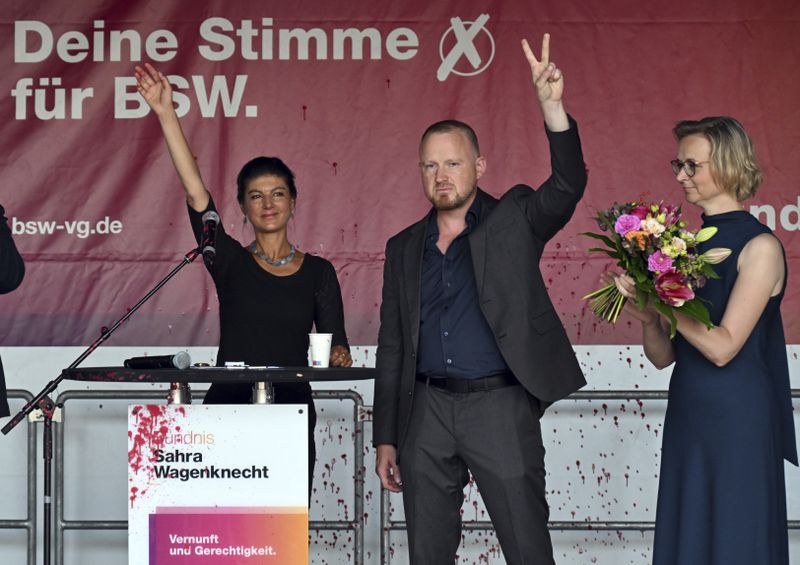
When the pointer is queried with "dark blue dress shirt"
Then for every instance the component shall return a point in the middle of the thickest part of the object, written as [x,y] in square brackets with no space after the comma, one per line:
[454,338]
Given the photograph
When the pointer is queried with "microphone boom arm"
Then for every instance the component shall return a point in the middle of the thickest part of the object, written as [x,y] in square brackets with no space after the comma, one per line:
[105,333]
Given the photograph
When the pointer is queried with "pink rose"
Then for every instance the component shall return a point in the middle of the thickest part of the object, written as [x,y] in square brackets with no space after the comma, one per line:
[626,223]
[640,212]
[659,263]
[672,289]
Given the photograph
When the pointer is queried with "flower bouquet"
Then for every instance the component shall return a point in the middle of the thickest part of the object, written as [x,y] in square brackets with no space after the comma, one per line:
[653,246]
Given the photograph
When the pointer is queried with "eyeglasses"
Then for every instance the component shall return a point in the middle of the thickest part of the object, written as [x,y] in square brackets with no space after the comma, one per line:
[689,166]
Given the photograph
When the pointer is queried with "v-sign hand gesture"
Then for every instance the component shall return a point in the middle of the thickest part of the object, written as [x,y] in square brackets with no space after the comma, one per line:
[547,78]
[549,83]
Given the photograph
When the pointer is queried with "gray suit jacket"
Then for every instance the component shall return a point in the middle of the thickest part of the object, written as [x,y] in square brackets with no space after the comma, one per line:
[506,248]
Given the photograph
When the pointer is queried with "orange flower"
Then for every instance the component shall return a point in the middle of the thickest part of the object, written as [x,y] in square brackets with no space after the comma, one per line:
[639,236]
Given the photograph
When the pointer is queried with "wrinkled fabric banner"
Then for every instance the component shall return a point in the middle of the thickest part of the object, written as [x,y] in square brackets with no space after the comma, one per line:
[342,94]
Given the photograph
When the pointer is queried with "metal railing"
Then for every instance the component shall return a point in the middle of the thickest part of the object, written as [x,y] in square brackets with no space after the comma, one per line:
[355,525]
[388,525]
[29,523]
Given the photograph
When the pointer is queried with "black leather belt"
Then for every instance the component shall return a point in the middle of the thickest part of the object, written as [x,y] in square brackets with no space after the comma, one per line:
[470,385]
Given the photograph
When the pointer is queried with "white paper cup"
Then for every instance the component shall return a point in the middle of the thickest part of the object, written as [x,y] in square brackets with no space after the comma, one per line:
[320,349]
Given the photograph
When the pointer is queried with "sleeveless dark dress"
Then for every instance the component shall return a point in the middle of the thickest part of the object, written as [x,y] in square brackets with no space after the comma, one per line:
[721,496]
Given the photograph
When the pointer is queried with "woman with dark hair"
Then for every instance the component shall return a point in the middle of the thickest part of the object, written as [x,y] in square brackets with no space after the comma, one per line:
[12,269]
[270,293]
[728,428]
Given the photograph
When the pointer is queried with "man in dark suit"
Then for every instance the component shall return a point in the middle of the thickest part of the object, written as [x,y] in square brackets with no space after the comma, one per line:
[12,270]
[470,349]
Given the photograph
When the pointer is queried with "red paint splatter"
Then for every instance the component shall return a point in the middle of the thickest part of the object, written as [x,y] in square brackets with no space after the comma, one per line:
[152,423]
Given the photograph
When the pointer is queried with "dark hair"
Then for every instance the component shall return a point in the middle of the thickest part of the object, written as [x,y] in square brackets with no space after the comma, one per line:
[263,166]
[448,126]
[733,161]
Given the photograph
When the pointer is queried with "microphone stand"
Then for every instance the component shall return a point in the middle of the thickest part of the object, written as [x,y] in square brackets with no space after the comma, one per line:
[43,402]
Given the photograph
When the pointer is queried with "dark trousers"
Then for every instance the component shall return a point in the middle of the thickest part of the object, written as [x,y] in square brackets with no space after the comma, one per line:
[496,436]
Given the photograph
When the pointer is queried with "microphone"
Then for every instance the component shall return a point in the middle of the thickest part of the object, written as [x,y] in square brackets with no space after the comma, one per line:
[180,360]
[208,242]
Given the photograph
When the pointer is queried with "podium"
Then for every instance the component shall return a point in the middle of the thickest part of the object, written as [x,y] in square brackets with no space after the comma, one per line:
[218,483]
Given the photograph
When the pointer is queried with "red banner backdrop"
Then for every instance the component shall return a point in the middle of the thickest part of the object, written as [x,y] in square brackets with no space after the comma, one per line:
[342,92]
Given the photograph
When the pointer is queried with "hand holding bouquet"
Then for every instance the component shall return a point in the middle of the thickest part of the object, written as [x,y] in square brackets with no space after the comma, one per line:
[652,245]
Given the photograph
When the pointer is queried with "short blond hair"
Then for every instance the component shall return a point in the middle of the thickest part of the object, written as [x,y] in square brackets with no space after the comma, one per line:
[733,159]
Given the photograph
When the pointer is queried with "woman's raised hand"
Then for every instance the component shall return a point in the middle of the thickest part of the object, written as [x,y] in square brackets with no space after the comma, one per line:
[154,88]
[157,92]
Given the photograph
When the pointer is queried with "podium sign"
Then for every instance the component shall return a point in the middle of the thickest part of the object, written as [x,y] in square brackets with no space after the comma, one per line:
[221,484]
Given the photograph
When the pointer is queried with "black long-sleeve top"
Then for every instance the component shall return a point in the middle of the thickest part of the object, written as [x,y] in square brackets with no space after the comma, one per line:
[265,319]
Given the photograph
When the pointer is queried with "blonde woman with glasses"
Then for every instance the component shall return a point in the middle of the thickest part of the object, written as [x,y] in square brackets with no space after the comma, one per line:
[728,428]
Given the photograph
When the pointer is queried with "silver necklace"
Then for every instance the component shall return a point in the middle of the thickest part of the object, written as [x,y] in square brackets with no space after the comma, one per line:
[274,262]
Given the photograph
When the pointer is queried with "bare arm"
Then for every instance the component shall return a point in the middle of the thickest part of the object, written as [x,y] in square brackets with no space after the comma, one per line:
[658,347]
[157,92]
[761,275]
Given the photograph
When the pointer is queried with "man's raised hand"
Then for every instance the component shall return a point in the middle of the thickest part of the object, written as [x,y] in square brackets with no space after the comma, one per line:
[549,83]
